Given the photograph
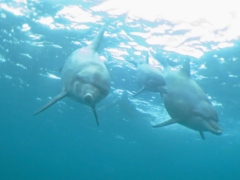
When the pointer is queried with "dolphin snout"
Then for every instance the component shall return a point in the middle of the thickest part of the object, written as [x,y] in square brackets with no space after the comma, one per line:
[88,98]
[216,127]
[218,132]
[162,89]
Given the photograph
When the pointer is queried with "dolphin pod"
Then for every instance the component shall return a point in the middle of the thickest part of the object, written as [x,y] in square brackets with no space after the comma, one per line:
[84,77]
[186,103]
[150,78]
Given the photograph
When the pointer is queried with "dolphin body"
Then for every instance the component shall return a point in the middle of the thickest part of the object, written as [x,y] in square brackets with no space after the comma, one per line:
[187,104]
[150,78]
[84,77]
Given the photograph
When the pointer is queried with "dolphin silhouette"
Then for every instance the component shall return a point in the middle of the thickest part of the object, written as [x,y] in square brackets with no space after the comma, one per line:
[186,102]
[149,78]
[84,77]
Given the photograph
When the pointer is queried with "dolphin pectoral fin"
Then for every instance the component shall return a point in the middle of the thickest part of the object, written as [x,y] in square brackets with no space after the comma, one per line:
[166,123]
[202,135]
[53,101]
[141,90]
[95,114]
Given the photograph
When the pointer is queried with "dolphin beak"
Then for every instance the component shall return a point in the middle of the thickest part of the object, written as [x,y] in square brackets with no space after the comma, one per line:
[162,90]
[88,98]
[216,127]
[213,127]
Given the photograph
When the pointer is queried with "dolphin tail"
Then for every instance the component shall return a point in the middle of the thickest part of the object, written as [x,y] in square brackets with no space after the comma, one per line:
[141,90]
[166,123]
[95,114]
[97,40]
[53,101]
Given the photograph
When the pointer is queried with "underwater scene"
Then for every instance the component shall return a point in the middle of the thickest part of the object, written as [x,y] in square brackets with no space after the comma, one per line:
[119,89]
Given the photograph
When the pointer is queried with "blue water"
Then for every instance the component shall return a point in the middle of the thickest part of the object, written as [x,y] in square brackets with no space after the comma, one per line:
[64,141]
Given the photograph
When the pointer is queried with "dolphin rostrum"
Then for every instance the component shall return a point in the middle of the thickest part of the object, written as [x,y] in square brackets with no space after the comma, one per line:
[84,77]
[186,103]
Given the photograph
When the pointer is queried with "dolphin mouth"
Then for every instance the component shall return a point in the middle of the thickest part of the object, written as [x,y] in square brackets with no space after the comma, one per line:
[88,98]
[163,90]
[213,127]
[216,128]
[218,132]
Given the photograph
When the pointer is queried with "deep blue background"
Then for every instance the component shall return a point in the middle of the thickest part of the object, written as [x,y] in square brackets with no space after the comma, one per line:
[64,141]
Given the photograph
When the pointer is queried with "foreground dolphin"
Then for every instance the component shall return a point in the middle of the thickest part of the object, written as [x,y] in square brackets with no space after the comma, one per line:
[186,102]
[150,78]
[84,77]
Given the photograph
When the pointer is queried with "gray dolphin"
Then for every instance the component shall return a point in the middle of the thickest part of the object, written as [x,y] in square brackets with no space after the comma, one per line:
[84,77]
[150,78]
[186,102]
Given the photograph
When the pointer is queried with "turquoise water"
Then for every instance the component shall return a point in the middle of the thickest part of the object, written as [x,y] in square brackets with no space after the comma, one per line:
[64,141]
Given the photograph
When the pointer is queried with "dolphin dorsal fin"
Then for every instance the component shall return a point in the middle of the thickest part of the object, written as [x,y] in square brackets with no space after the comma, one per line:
[161,60]
[97,40]
[186,68]
[134,62]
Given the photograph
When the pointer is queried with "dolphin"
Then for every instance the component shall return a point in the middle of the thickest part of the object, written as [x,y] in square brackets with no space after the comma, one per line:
[186,103]
[150,78]
[84,77]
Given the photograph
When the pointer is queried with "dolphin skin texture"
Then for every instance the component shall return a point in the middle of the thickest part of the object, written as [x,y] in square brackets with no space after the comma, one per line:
[84,77]
[186,103]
